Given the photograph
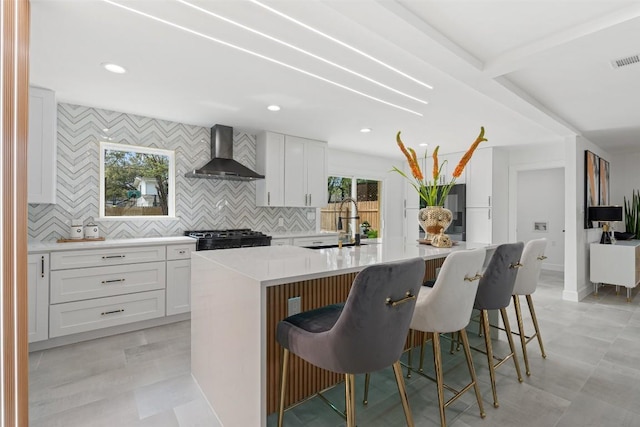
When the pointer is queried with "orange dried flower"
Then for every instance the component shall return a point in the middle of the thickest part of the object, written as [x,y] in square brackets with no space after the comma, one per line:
[436,168]
[413,163]
[467,156]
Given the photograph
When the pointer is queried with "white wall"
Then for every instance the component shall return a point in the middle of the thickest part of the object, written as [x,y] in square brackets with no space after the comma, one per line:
[625,177]
[540,198]
[346,163]
[577,239]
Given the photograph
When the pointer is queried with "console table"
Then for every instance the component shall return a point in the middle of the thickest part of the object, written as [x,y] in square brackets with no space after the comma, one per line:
[617,264]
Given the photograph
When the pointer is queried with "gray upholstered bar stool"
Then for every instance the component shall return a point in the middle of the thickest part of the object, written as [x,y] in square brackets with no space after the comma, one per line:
[447,308]
[494,293]
[526,283]
[365,335]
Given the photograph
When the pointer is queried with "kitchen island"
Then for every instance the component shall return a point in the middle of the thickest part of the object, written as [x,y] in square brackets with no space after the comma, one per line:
[238,297]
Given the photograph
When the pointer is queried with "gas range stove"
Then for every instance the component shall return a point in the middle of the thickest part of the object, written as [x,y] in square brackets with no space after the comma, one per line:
[226,239]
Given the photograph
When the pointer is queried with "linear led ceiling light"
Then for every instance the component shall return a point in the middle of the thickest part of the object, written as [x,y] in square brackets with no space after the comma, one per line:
[259,55]
[341,43]
[297,49]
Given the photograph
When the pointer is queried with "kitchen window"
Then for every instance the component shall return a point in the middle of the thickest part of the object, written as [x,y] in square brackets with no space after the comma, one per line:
[136,182]
[367,194]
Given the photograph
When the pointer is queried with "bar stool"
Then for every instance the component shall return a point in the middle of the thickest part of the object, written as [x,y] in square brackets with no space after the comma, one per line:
[365,334]
[447,308]
[494,293]
[526,282]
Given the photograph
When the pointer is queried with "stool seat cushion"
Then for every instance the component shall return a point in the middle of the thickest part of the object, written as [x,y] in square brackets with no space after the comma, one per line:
[319,320]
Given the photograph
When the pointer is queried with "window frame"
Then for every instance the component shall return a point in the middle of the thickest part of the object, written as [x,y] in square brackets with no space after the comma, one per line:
[171,181]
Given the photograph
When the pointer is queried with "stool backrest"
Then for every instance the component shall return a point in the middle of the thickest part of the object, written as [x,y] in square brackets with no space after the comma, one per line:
[529,273]
[496,286]
[370,333]
[447,306]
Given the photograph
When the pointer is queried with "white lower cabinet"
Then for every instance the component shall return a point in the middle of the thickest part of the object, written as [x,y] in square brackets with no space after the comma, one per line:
[479,225]
[38,296]
[87,315]
[178,286]
[103,286]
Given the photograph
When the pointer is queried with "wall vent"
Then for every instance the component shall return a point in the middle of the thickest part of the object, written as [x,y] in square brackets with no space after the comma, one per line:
[623,62]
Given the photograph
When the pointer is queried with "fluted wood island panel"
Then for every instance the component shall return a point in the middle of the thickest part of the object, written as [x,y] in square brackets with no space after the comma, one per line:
[239,296]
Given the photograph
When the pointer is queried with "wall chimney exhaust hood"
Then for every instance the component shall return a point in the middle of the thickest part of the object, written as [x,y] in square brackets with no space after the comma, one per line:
[222,165]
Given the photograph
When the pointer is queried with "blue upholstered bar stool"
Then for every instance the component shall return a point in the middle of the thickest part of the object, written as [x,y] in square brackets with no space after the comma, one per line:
[365,335]
[526,283]
[447,308]
[494,293]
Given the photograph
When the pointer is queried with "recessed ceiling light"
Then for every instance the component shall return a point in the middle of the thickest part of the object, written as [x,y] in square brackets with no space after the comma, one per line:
[273,108]
[365,130]
[424,144]
[114,68]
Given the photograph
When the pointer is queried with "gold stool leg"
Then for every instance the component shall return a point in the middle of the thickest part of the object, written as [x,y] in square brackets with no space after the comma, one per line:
[367,378]
[283,385]
[350,399]
[487,342]
[507,327]
[523,339]
[437,361]
[535,324]
[409,367]
[462,334]
[397,370]
[422,344]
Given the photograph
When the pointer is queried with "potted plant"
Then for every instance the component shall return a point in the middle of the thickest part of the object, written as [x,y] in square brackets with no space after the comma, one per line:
[364,228]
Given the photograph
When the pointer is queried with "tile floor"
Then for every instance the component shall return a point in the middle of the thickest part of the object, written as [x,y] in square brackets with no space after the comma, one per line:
[591,377]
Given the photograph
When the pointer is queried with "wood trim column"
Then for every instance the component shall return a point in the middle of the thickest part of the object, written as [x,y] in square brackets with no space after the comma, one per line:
[14,95]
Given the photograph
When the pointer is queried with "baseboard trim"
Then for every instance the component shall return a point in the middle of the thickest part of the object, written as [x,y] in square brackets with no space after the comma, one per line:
[105,332]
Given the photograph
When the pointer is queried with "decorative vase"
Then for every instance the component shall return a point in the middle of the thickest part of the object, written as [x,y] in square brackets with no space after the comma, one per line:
[434,219]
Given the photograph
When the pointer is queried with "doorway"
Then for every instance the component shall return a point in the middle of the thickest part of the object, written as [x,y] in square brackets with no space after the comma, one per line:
[539,211]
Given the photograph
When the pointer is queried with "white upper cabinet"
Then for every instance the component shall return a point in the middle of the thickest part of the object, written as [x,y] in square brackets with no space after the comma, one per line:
[480,179]
[270,163]
[295,171]
[41,147]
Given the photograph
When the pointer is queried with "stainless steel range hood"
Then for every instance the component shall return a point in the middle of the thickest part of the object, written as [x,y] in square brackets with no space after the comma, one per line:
[222,165]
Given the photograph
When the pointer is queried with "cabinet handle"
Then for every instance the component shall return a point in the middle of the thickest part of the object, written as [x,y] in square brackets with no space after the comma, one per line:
[104,313]
[112,281]
[42,266]
[113,256]
[489,214]
[268,198]
[316,243]
[489,200]
[182,252]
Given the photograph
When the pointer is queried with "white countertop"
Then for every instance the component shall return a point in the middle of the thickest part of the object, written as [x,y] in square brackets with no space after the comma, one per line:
[275,265]
[37,247]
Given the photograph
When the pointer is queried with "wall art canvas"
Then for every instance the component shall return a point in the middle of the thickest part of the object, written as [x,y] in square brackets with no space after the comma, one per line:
[591,185]
[604,199]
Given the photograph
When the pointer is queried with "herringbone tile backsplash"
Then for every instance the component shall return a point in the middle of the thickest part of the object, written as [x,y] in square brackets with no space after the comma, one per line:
[200,203]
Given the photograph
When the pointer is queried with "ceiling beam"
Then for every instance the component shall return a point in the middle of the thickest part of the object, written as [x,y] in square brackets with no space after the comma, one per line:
[515,59]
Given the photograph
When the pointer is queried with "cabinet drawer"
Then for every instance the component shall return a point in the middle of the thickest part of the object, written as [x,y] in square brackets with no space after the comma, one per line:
[315,241]
[102,257]
[180,251]
[82,316]
[280,242]
[96,282]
